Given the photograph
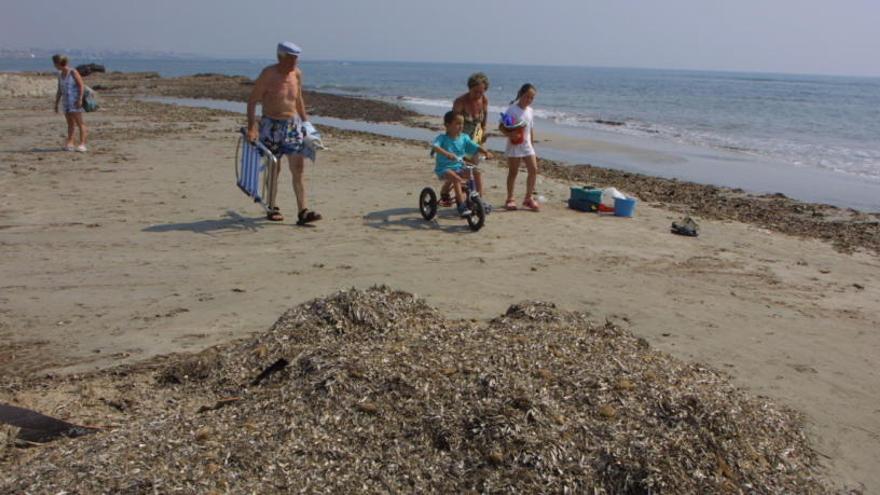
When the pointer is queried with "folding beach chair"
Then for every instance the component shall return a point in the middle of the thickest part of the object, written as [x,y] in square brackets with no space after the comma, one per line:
[255,170]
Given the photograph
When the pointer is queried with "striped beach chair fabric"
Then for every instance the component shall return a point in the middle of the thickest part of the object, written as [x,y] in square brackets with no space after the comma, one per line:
[254,164]
[252,167]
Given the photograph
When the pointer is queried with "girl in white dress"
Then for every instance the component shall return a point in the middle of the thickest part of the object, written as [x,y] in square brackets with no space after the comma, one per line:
[519,129]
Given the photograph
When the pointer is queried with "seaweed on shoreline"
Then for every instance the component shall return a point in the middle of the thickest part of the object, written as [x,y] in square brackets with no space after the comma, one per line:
[238,88]
[846,229]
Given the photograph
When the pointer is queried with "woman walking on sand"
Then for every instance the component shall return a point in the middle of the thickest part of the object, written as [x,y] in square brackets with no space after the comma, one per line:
[70,92]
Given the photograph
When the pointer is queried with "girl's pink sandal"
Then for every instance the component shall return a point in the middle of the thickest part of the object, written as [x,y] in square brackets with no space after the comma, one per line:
[510,205]
[531,204]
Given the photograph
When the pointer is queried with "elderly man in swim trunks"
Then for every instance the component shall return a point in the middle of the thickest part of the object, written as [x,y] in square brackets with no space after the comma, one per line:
[279,89]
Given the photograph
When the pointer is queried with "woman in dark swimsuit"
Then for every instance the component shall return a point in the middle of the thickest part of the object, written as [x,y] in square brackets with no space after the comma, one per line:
[474,106]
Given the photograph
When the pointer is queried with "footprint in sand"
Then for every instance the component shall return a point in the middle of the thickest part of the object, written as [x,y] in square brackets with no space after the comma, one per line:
[802,368]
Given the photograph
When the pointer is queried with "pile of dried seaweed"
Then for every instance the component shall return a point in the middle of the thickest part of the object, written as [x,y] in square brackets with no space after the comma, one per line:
[238,88]
[375,391]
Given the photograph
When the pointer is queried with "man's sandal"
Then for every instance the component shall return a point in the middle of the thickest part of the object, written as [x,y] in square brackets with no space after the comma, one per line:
[274,215]
[308,216]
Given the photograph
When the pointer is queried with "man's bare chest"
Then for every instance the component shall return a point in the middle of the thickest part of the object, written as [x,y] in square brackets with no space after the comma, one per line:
[286,88]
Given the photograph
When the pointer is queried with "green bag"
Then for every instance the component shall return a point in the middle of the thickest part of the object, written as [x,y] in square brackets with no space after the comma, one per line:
[90,101]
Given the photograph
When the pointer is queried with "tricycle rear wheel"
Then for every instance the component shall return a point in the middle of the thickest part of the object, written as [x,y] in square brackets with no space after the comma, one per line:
[428,203]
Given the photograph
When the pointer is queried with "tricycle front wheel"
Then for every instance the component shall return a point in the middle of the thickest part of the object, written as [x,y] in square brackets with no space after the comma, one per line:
[477,218]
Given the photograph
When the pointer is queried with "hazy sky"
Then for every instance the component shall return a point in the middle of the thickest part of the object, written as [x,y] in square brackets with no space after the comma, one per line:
[804,36]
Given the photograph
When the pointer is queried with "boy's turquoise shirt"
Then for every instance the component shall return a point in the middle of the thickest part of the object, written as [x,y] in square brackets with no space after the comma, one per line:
[462,145]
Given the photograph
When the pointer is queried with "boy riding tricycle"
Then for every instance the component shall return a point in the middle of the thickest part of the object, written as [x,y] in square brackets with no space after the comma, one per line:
[454,166]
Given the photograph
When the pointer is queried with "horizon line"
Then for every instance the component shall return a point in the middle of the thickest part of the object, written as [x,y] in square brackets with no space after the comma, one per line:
[183,56]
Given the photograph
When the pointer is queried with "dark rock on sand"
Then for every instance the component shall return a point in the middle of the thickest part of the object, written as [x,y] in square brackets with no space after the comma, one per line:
[86,69]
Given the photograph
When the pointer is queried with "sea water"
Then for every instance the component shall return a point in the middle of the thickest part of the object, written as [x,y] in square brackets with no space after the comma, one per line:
[812,137]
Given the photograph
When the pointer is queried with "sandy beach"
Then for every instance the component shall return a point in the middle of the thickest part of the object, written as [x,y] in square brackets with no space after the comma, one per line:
[144,247]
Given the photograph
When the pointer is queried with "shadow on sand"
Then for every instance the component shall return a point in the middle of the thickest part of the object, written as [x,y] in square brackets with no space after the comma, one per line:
[401,219]
[233,222]
[57,149]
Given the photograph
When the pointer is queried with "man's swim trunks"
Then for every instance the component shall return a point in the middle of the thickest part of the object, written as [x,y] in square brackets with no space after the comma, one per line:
[284,137]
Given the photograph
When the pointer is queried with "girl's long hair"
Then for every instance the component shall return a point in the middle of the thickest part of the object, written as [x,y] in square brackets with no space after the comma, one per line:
[525,88]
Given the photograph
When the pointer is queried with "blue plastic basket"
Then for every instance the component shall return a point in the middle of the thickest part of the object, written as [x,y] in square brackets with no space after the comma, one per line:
[624,207]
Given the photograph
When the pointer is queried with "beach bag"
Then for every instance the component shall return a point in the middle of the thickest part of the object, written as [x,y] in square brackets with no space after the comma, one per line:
[90,100]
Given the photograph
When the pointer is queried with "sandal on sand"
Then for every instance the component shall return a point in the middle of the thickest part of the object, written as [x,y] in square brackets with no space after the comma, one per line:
[510,205]
[274,214]
[308,216]
[68,147]
[686,226]
[531,204]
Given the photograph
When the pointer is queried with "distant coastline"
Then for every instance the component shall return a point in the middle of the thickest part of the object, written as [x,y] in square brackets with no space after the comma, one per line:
[30,53]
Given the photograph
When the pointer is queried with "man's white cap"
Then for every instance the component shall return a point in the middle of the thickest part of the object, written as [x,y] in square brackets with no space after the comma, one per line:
[288,48]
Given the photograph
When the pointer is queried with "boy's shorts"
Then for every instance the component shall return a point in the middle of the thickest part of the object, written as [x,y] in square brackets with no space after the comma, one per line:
[441,173]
